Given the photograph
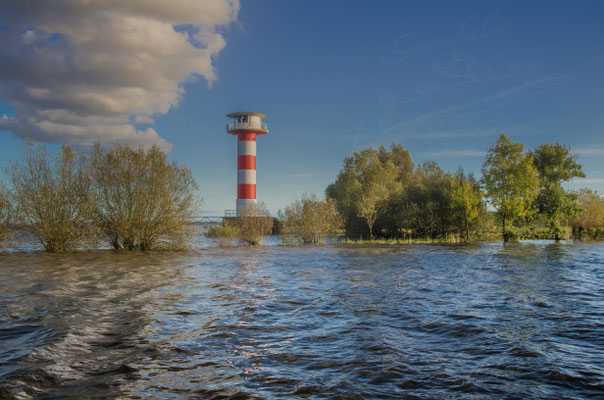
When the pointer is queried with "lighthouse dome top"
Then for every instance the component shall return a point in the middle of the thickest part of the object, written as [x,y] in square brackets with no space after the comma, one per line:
[239,114]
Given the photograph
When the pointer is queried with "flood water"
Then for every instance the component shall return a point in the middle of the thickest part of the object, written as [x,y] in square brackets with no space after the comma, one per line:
[487,320]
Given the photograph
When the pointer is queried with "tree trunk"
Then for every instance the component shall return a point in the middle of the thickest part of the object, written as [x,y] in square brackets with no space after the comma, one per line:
[505,238]
[554,227]
[370,219]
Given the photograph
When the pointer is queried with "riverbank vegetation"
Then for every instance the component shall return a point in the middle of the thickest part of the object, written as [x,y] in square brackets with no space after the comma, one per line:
[555,165]
[7,213]
[134,199]
[141,201]
[53,197]
[309,220]
[252,225]
[225,235]
[510,182]
[381,194]
[589,223]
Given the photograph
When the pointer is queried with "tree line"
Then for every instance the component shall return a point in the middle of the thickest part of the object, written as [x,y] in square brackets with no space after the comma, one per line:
[383,193]
[132,199]
[135,199]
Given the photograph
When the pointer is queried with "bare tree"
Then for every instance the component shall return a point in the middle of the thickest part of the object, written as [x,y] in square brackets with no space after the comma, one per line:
[142,201]
[53,196]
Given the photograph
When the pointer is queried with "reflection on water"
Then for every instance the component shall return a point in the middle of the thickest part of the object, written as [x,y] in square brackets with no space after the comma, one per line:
[413,321]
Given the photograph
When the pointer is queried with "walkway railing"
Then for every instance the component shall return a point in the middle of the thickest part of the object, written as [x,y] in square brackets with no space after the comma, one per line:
[257,213]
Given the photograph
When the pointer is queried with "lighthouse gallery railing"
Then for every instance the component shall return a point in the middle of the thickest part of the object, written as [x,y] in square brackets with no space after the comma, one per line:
[246,125]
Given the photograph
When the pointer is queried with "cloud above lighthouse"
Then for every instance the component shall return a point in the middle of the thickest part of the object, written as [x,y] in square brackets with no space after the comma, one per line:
[78,71]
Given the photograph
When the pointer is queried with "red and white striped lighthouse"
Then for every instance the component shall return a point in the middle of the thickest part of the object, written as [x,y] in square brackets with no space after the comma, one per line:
[247,126]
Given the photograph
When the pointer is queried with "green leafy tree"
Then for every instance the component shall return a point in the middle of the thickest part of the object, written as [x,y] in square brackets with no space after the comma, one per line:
[510,180]
[310,219]
[401,158]
[53,193]
[364,185]
[556,165]
[439,217]
[466,199]
[589,222]
[411,201]
[400,216]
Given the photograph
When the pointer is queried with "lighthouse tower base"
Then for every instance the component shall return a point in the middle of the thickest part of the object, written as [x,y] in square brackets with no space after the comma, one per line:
[246,206]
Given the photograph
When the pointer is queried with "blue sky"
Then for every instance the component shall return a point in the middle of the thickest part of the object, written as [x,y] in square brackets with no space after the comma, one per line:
[442,78]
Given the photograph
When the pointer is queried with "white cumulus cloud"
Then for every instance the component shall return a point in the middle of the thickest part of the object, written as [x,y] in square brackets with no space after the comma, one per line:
[78,71]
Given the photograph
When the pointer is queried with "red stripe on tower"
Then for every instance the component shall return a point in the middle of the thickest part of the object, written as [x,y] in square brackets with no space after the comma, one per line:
[246,191]
[246,162]
[246,136]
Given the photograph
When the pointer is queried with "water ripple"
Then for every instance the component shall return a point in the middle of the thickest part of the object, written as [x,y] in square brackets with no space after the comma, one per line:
[486,320]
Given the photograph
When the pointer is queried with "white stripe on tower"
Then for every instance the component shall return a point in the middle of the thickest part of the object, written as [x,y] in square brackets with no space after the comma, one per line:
[246,148]
[243,204]
[246,176]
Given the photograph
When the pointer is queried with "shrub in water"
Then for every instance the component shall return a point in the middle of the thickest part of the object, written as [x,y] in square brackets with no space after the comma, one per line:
[142,201]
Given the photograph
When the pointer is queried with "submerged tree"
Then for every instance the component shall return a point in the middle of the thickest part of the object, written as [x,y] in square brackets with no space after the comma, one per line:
[510,180]
[142,201]
[310,219]
[252,224]
[555,165]
[224,234]
[7,214]
[589,222]
[54,197]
